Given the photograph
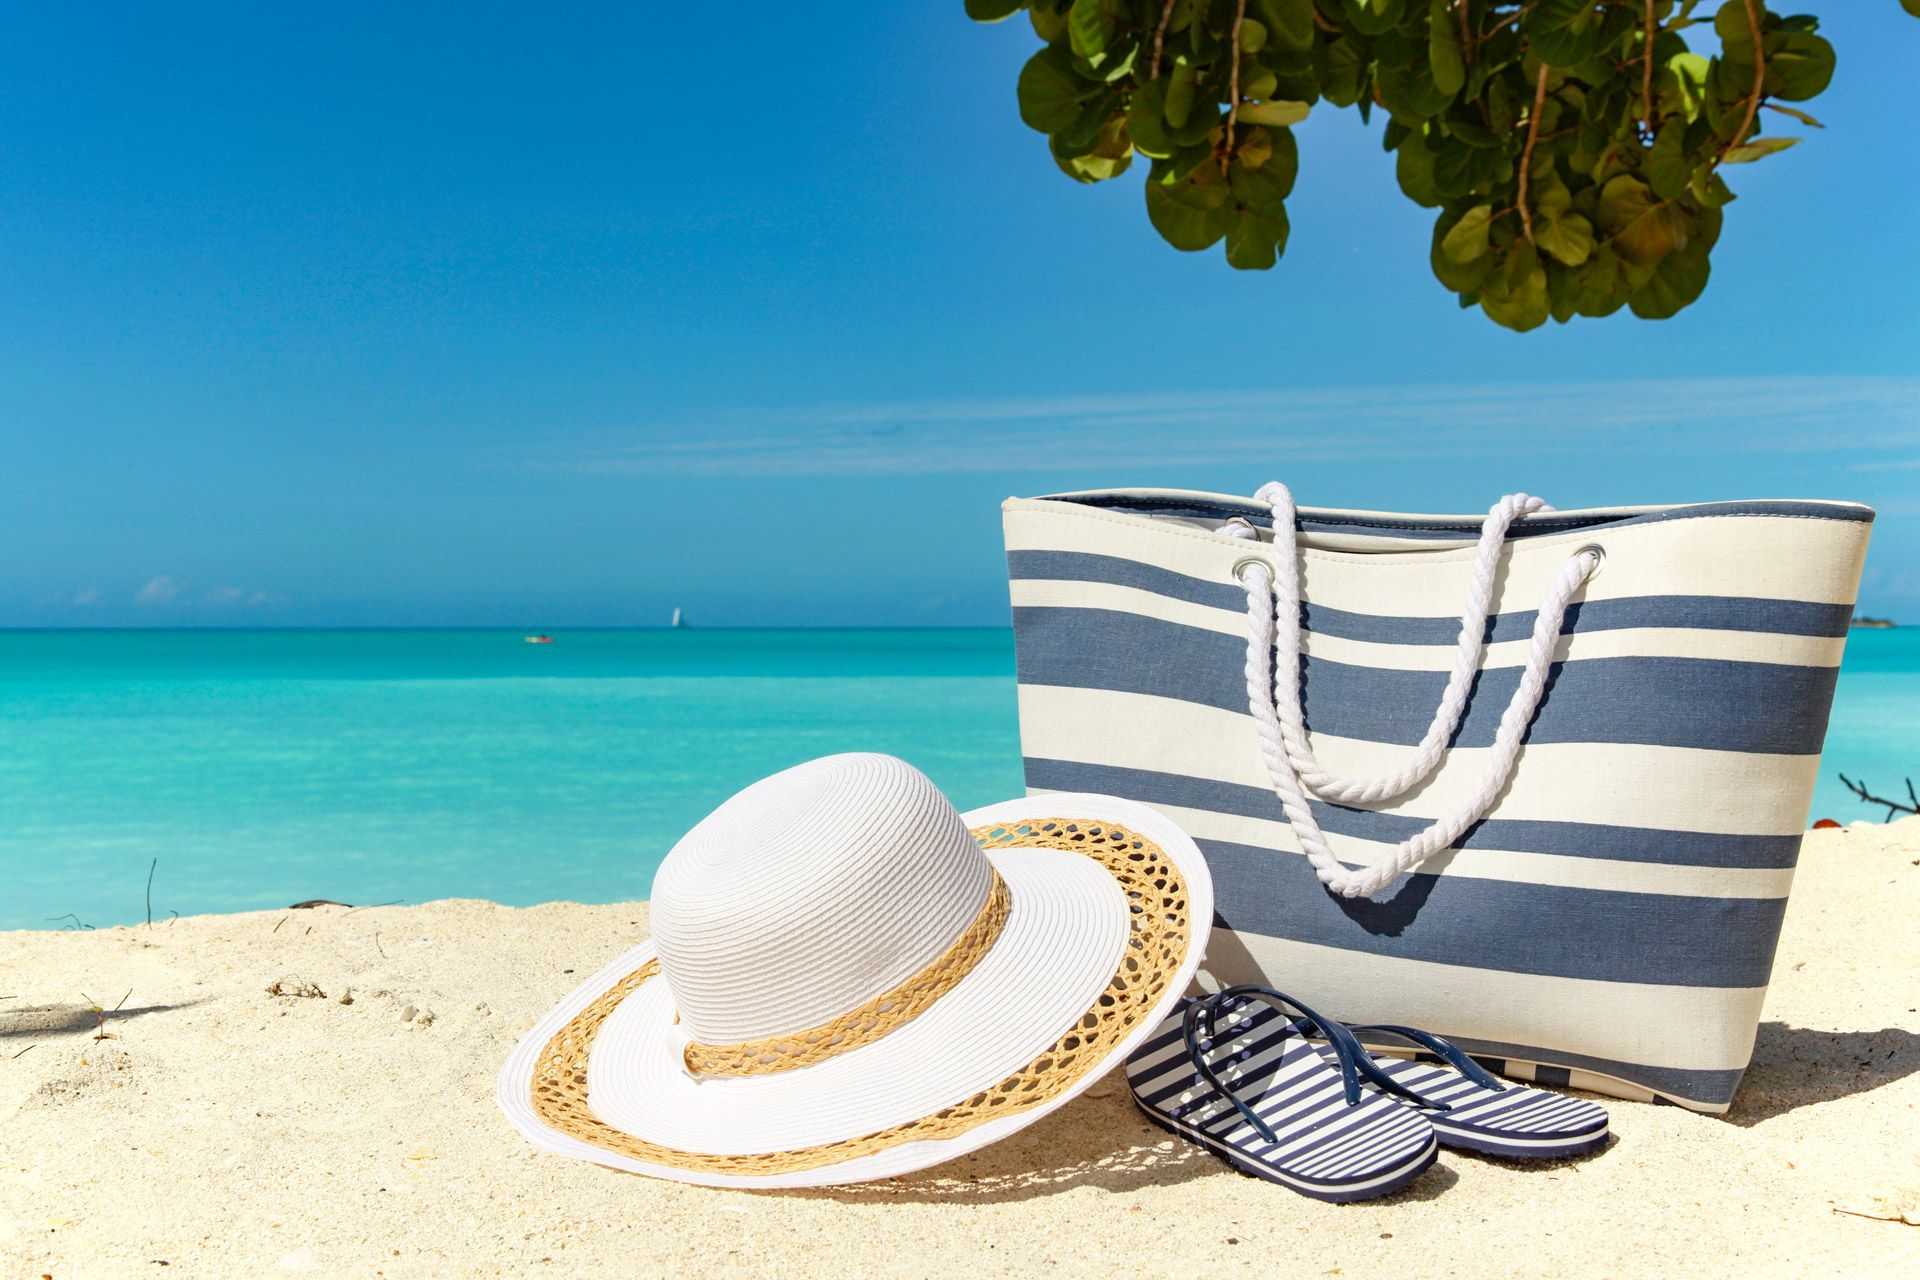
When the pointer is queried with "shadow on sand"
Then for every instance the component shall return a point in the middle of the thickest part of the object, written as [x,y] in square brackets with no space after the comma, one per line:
[1797,1067]
[63,1019]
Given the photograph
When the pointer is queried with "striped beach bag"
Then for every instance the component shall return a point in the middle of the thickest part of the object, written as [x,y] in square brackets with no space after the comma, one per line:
[1535,781]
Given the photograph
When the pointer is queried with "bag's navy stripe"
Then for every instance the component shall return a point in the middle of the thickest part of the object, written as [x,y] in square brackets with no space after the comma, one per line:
[1595,934]
[1573,839]
[1710,703]
[1314,520]
[1693,613]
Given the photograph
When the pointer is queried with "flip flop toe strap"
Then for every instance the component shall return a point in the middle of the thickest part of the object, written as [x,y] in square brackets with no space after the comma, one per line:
[1448,1052]
[1201,1030]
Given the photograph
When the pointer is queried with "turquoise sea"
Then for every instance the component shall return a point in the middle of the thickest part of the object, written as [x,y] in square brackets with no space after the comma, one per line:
[260,768]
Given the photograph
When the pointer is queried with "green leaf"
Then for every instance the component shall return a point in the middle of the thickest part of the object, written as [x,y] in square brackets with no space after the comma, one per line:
[1180,95]
[1911,6]
[1667,166]
[1253,37]
[1255,240]
[1758,149]
[1677,281]
[1516,295]
[1797,114]
[1443,48]
[1409,91]
[1183,226]
[1264,188]
[1258,82]
[1343,69]
[1642,229]
[1469,237]
[1566,236]
[1049,90]
[1374,17]
[1278,114]
[1463,170]
[1146,120]
[1095,28]
[1563,33]
[1682,85]
[993,10]
[1111,154]
[1049,23]
[1600,287]
[1413,166]
[1290,23]
[1799,66]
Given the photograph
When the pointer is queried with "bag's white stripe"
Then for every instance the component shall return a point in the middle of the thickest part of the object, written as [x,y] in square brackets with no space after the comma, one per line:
[1675,788]
[1779,557]
[1680,1028]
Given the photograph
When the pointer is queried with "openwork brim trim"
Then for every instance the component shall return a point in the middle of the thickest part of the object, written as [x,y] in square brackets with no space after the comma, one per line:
[1160,932]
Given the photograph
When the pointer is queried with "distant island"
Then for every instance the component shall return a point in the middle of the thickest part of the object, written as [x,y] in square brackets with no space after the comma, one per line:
[1877,623]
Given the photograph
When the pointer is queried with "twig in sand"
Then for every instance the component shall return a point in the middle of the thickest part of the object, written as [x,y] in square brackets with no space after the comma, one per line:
[276,924]
[93,1007]
[1906,1218]
[22,1053]
[1893,806]
[151,868]
[376,945]
[78,923]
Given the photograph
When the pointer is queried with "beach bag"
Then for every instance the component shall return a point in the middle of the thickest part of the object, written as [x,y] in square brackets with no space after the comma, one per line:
[1534,781]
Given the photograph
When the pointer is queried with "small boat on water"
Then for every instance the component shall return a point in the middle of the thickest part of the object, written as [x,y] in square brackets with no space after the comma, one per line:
[679,618]
[539,639]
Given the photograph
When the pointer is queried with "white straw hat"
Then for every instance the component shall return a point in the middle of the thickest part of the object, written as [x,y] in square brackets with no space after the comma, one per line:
[848,979]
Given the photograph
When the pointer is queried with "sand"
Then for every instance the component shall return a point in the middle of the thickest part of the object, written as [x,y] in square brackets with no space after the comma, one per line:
[346,1127]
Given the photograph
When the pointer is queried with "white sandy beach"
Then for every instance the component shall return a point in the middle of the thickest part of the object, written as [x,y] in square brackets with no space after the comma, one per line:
[347,1127]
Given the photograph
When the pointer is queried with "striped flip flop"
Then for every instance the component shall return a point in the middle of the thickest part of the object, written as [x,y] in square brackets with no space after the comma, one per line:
[1477,1111]
[1235,1075]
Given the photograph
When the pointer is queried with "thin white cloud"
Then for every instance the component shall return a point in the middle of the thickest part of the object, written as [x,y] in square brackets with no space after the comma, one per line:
[1673,417]
[223,595]
[161,589]
[262,597]
[87,596]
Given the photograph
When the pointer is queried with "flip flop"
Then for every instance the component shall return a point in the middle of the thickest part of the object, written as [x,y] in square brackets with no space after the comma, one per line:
[1477,1111]
[1238,1077]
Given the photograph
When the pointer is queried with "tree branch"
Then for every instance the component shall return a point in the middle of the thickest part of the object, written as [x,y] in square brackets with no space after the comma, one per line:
[1646,80]
[1160,39]
[1759,85]
[1526,156]
[1233,86]
[1893,806]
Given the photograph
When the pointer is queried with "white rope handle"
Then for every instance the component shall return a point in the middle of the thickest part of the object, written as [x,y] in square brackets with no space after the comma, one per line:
[1273,694]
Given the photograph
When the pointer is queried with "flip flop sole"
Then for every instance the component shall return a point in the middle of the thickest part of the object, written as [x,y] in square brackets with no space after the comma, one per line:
[1514,1147]
[1382,1183]
[1518,1124]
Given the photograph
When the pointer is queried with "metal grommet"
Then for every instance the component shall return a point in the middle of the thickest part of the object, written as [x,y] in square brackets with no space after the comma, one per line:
[1599,555]
[1247,561]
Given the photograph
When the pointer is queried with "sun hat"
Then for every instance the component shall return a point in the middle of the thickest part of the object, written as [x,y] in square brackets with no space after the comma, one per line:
[848,979]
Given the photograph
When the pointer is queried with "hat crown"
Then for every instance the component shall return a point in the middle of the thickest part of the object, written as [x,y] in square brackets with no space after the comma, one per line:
[810,893]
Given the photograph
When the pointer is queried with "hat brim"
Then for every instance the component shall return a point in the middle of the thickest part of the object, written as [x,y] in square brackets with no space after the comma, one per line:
[1063,995]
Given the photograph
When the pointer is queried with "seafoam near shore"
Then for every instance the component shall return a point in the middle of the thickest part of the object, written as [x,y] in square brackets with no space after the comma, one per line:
[311,1092]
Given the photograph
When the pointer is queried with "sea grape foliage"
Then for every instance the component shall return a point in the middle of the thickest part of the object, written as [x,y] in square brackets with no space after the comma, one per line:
[1573,150]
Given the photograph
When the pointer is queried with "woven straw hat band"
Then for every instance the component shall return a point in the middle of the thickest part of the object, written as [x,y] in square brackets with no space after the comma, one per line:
[877,1017]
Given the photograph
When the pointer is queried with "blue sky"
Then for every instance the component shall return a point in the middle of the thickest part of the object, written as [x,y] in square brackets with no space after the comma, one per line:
[520,315]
